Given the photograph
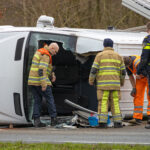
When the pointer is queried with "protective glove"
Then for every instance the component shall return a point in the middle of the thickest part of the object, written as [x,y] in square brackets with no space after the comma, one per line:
[133,92]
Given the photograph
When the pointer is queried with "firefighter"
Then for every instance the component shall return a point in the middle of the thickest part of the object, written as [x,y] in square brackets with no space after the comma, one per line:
[41,68]
[109,71]
[145,64]
[138,87]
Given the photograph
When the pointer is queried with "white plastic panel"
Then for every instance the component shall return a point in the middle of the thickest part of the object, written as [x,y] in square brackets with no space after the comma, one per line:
[129,49]
[141,7]
[85,45]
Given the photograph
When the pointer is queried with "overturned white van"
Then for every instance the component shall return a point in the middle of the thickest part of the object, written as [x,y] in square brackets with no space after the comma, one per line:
[78,48]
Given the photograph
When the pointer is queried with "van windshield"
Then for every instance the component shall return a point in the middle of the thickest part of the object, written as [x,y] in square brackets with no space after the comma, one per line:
[68,41]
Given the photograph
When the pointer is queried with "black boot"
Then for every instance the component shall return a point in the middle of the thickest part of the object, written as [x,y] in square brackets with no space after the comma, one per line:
[53,121]
[135,121]
[148,119]
[147,126]
[118,125]
[38,123]
[102,125]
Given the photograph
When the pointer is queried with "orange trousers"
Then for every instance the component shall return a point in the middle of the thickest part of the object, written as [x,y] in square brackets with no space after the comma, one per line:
[141,85]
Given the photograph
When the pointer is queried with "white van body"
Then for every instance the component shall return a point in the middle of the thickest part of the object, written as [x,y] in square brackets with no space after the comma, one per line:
[17,46]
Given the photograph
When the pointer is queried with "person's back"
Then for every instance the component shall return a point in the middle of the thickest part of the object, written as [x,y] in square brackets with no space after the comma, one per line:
[109,71]
[110,64]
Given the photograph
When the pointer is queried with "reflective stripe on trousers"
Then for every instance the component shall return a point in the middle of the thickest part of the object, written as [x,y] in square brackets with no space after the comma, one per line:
[141,84]
[104,98]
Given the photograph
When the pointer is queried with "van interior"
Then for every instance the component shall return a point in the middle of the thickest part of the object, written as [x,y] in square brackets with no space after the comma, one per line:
[71,78]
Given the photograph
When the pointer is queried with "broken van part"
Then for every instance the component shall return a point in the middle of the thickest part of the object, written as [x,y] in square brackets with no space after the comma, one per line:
[78,48]
[82,113]
[79,107]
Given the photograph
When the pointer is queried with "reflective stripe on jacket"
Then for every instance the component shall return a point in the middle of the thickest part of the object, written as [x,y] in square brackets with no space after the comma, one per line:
[135,64]
[40,62]
[145,56]
[108,65]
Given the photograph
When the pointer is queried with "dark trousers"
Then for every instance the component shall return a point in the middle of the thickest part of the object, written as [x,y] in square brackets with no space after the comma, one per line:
[37,95]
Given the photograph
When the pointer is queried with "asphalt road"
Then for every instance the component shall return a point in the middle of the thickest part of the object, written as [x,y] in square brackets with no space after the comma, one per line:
[126,135]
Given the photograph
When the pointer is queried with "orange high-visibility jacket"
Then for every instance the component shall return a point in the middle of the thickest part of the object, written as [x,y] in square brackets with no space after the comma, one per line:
[135,64]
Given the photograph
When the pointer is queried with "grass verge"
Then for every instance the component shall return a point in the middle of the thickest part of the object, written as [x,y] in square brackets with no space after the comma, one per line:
[70,146]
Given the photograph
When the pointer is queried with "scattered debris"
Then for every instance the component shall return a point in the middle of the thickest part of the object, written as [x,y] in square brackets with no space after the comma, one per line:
[84,114]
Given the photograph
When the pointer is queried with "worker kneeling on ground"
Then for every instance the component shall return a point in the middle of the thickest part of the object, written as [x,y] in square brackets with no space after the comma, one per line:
[109,71]
[139,84]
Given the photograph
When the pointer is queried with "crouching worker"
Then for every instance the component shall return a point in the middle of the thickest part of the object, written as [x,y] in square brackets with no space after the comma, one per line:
[109,71]
[138,88]
[41,68]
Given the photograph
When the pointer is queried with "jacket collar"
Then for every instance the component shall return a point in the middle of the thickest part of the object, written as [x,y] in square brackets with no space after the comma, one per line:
[108,49]
[47,48]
